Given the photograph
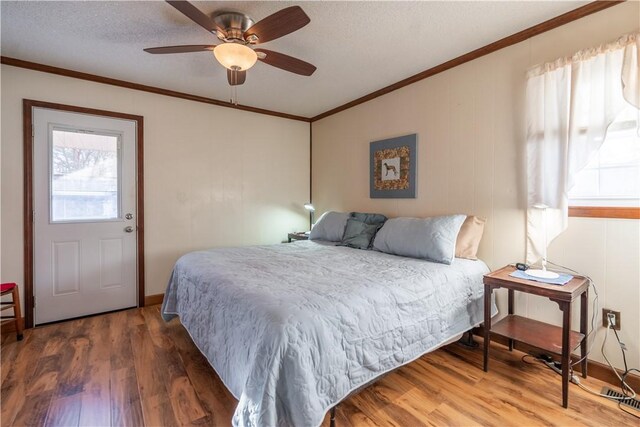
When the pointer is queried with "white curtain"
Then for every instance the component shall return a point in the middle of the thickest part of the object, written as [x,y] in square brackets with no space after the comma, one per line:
[570,104]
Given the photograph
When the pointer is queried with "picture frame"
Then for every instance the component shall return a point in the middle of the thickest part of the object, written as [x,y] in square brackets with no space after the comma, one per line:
[392,168]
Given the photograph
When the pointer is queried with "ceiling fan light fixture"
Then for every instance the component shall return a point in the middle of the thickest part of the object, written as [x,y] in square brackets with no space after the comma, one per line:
[235,56]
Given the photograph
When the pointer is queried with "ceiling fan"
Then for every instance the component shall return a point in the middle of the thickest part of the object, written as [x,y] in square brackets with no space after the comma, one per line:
[240,34]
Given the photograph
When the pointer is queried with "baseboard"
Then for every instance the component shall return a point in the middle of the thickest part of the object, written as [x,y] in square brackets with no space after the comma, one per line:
[153,299]
[595,369]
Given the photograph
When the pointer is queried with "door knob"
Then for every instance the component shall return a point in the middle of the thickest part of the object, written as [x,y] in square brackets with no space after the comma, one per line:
[128,229]
[128,216]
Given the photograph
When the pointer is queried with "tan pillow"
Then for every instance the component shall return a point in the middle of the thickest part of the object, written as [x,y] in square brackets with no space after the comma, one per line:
[469,237]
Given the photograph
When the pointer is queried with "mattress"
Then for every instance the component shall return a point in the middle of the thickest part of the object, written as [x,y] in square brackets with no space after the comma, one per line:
[292,329]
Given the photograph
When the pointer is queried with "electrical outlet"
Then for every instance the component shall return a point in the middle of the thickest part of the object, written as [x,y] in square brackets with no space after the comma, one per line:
[605,317]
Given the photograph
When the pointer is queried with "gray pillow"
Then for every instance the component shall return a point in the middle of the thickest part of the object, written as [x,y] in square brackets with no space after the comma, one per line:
[369,218]
[329,227]
[358,234]
[433,239]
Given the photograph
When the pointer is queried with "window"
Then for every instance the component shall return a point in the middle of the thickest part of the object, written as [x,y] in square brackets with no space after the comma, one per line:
[612,177]
[84,176]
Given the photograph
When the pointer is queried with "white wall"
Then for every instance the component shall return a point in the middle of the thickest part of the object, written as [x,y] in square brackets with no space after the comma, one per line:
[213,176]
[470,126]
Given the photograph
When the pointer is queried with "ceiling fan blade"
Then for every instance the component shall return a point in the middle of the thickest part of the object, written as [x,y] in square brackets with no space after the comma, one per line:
[193,13]
[236,78]
[181,49]
[286,62]
[279,24]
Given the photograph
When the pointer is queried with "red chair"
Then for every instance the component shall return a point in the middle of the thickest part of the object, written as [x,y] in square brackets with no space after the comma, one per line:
[6,289]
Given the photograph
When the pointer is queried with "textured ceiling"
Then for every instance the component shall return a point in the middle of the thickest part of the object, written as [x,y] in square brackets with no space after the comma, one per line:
[358,47]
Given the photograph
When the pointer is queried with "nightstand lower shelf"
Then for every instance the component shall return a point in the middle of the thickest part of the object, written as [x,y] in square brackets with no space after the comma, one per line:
[535,333]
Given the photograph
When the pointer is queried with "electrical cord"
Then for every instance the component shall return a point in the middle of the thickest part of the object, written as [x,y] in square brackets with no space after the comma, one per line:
[620,403]
[524,359]
[628,412]
[623,385]
[624,375]
[624,358]
[594,309]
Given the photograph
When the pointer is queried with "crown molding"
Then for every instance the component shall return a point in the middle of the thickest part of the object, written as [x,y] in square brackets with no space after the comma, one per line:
[14,62]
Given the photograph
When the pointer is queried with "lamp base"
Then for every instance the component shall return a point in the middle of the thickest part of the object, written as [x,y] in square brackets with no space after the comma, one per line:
[542,274]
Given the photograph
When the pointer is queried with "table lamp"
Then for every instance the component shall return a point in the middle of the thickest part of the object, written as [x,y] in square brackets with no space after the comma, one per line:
[543,273]
[311,209]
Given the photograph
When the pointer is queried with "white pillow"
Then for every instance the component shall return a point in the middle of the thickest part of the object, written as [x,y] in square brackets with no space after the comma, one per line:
[330,226]
[433,239]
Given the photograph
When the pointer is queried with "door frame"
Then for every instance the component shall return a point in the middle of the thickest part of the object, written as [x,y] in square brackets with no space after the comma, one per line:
[27,122]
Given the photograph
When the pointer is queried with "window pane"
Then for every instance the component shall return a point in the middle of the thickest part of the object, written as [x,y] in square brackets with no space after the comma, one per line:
[620,182]
[620,150]
[586,181]
[612,177]
[84,181]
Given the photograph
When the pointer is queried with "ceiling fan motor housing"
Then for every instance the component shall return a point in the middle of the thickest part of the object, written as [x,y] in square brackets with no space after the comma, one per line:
[235,24]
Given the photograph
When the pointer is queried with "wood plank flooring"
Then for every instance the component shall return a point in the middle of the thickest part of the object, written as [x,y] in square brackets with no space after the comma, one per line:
[130,368]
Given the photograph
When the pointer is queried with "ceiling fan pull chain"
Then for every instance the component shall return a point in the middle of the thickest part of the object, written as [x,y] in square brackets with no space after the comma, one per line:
[233,95]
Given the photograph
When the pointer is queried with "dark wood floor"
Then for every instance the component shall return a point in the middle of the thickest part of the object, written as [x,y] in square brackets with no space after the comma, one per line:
[131,368]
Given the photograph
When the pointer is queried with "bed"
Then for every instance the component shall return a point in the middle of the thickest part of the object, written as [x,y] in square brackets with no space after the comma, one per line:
[292,329]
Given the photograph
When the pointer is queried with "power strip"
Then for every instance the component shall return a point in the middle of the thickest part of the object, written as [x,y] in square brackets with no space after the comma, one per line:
[557,367]
[552,365]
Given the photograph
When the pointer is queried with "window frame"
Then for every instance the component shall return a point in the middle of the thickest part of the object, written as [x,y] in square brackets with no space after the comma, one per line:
[604,212]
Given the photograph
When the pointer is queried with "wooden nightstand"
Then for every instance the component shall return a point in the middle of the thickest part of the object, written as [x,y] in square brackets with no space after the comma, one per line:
[298,235]
[550,338]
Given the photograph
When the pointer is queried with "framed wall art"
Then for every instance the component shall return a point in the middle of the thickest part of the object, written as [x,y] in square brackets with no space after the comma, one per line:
[392,170]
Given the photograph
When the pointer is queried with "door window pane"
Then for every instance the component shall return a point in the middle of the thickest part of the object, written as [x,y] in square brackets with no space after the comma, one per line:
[84,176]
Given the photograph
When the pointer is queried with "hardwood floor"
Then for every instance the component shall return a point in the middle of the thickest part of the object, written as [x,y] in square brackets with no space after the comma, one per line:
[131,368]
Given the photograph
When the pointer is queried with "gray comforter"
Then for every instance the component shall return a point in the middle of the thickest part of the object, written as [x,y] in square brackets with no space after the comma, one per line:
[292,329]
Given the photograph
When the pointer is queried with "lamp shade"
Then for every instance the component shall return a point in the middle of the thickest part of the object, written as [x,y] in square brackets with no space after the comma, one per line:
[235,56]
[543,273]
